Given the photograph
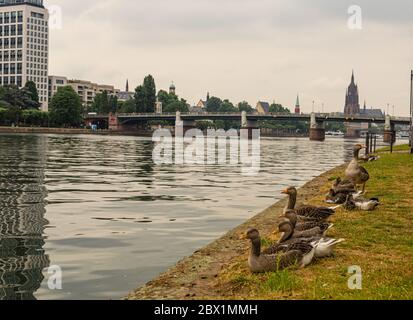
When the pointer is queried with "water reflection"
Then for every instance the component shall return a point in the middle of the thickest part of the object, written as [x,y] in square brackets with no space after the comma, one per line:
[22,222]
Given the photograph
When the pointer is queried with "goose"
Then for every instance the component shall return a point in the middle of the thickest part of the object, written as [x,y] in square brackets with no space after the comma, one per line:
[303,226]
[343,186]
[356,173]
[306,212]
[350,204]
[336,198]
[282,258]
[324,247]
[361,204]
[287,230]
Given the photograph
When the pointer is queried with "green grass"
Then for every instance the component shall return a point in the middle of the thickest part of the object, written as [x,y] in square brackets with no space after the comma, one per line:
[402,147]
[283,281]
[380,242]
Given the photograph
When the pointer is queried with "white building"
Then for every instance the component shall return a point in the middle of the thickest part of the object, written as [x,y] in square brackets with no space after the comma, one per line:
[86,90]
[24,45]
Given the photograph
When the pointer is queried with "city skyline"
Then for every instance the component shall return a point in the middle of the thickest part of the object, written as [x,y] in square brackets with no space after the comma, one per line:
[265,52]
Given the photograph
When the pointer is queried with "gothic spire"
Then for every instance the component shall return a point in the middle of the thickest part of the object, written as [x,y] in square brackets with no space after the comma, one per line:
[297,104]
[127,85]
[352,77]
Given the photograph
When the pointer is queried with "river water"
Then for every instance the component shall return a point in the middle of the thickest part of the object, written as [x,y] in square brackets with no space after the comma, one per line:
[110,220]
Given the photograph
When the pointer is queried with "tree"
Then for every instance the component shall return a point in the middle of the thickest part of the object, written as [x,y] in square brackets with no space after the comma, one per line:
[140,99]
[149,93]
[178,105]
[31,88]
[113,104]
[171,103]
[66,108]
[244,106]
[227,107]
[278,108]
[128,106]
[104,103]
[213,104]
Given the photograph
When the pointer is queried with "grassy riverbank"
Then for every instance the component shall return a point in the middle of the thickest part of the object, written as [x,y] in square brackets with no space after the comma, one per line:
[380,242]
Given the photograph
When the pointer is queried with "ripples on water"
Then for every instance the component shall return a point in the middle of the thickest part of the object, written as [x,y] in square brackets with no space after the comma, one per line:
[101,210]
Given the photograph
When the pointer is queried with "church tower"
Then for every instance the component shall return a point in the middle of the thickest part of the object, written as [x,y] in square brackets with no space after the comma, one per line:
[352,107]
[352,98]
[172,89]
[297,106]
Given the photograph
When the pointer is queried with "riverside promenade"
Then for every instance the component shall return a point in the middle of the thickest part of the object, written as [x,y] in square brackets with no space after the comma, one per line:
[379,242]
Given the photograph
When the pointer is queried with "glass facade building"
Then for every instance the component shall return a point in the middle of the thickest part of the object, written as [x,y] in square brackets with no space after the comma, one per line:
[24,45]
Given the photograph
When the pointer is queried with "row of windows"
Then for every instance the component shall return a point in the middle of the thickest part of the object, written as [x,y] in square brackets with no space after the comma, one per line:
[37,41]
[7,43]
[11,17]
[37,60]
[37,72]
[13,30]
[11,80]
[11,55]
[36,47]
[37,34]
[37,53]
[37,28]
[12,68]
[40,21]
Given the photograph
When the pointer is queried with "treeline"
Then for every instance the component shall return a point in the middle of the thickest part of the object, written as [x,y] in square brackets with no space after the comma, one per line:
[21,107]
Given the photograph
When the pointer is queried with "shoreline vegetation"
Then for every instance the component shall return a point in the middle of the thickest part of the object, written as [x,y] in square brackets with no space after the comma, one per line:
[379,242]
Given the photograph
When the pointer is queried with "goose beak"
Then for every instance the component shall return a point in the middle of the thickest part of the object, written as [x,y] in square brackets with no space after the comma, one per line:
[284,191]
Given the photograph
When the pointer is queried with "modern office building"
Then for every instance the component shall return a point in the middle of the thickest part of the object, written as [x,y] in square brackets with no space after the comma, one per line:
[24,45]
[86,90]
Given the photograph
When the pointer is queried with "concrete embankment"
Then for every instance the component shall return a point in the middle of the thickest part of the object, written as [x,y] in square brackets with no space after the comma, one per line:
[195,277]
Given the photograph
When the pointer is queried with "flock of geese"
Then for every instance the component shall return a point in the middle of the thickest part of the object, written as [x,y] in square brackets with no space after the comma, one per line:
[303,230]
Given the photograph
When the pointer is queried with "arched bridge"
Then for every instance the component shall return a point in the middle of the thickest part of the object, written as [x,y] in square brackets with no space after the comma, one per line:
[248,121]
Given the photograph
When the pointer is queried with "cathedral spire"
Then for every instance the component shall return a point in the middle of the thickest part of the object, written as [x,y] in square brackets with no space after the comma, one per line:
[127,85]
[297,105]
[352,77]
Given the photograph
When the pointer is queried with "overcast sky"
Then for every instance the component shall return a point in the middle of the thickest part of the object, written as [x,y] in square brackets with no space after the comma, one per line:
[241,49]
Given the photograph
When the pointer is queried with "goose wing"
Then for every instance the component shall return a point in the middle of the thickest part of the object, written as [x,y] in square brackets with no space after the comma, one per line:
[317,213]
[280,261]
[364,174]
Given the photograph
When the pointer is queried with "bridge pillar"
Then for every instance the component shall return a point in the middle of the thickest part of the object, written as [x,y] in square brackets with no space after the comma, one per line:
[389,132]
[317,129]
[249,125]
[182,126]
[113,122]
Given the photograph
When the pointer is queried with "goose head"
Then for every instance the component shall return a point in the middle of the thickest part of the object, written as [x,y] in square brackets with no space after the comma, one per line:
[357,148]
[252,234]
[290,191]
[292,195]
[286,230]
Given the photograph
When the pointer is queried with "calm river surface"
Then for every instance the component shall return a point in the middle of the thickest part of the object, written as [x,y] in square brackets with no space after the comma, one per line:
[99,208]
